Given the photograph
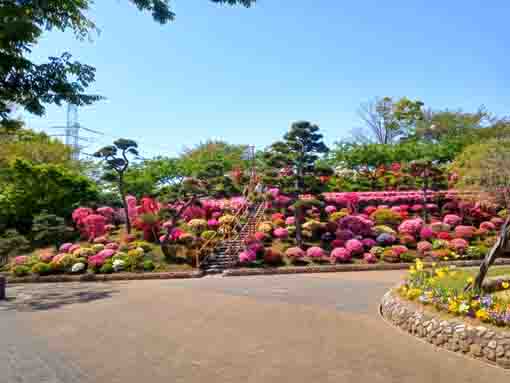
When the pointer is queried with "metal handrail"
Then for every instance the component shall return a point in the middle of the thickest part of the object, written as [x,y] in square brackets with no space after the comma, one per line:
[224,237]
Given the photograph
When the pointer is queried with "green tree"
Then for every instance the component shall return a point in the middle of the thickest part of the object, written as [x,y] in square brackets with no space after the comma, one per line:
[37,148]
[484,168]
[117,164]
[228,156]
[298,152]
[28,189]
[32,85]
[50,229]
[386,120]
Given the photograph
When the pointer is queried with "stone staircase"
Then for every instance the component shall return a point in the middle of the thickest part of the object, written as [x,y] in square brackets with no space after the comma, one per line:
[225,254]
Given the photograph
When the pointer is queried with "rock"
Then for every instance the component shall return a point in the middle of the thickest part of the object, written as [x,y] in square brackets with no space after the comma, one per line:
[500,351]
[503,362]
[475,349]
[492,344]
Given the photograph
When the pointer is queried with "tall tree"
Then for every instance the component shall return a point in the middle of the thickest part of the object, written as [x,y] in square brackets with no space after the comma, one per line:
[119,164]
[61,79]
[386,120]
[298,152]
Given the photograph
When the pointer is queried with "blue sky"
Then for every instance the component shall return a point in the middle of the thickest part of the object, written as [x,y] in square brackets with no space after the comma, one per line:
[243,75]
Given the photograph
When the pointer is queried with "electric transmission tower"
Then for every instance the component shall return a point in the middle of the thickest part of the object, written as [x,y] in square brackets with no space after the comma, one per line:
[72,136]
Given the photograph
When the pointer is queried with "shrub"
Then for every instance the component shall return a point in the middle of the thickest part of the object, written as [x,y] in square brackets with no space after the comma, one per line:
[295,253]
[344,235]
[386,217]
[247,256]
[107,268]
[383,229]
[354,246]
[12,243]
[389,255]
[385,239]
[452,219]
[341,254]
[41,269]
[78,267]
[97,247]
[407,257]
[407,240]
[148,265]
[357,224]
[426,233]
[369,258]
[208,234]
[411,226]
[281,233]
[21,271]
[377,251]
[439,244]
[368,243]
[465,232]
[315,252]
[487,225]
[459,245]
[337,216]
[273,257]
[424,247]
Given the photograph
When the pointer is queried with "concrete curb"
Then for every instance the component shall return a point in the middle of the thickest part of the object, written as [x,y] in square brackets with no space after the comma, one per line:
[346,268]
[234,272]
[488,344]
[105,277]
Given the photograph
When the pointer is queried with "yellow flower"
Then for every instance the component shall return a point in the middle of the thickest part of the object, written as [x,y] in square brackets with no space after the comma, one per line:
[453,273]
[505,285]
[434,264]
[453,307]
[475,304]
[445,258]
[413,293]
[482,314]
[440,273]
[419,265]
[470,280]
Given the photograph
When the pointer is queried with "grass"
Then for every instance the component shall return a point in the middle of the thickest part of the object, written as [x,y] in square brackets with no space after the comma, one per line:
[458,281]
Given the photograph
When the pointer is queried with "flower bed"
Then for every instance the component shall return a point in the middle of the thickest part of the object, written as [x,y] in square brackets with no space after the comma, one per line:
[155,245]
[392,227]
[443,288]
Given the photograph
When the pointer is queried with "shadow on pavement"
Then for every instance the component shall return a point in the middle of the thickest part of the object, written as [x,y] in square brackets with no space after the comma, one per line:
[39,298]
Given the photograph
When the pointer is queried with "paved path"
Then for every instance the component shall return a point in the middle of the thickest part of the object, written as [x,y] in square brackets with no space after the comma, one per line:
[297,328]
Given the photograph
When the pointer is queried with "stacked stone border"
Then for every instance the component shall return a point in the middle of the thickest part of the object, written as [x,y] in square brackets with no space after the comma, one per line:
[488,344]
[233,272]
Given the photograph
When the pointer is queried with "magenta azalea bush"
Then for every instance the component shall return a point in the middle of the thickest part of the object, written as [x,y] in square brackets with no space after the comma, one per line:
[295,253]
[247,256]
[341,254]
[354,246]
[315,252]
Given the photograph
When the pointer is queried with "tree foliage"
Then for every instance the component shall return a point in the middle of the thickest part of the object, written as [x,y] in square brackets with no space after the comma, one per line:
[61,79]
[386,120]
[28,189]
[116,164]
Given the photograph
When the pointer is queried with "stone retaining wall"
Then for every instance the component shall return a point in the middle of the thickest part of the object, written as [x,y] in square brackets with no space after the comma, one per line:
[486,343]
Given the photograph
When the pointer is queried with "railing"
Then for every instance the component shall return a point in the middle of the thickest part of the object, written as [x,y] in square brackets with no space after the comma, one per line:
[227,231]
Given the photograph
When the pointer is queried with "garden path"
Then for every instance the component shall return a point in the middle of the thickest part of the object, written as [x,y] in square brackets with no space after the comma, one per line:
[299,328]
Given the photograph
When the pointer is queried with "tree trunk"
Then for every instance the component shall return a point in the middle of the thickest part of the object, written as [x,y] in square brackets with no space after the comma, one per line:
[124,203]
[425,210]
[298,209]
[497,250]
[297,218]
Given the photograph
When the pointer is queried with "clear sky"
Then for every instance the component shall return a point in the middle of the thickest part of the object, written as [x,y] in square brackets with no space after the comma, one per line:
[243,75]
